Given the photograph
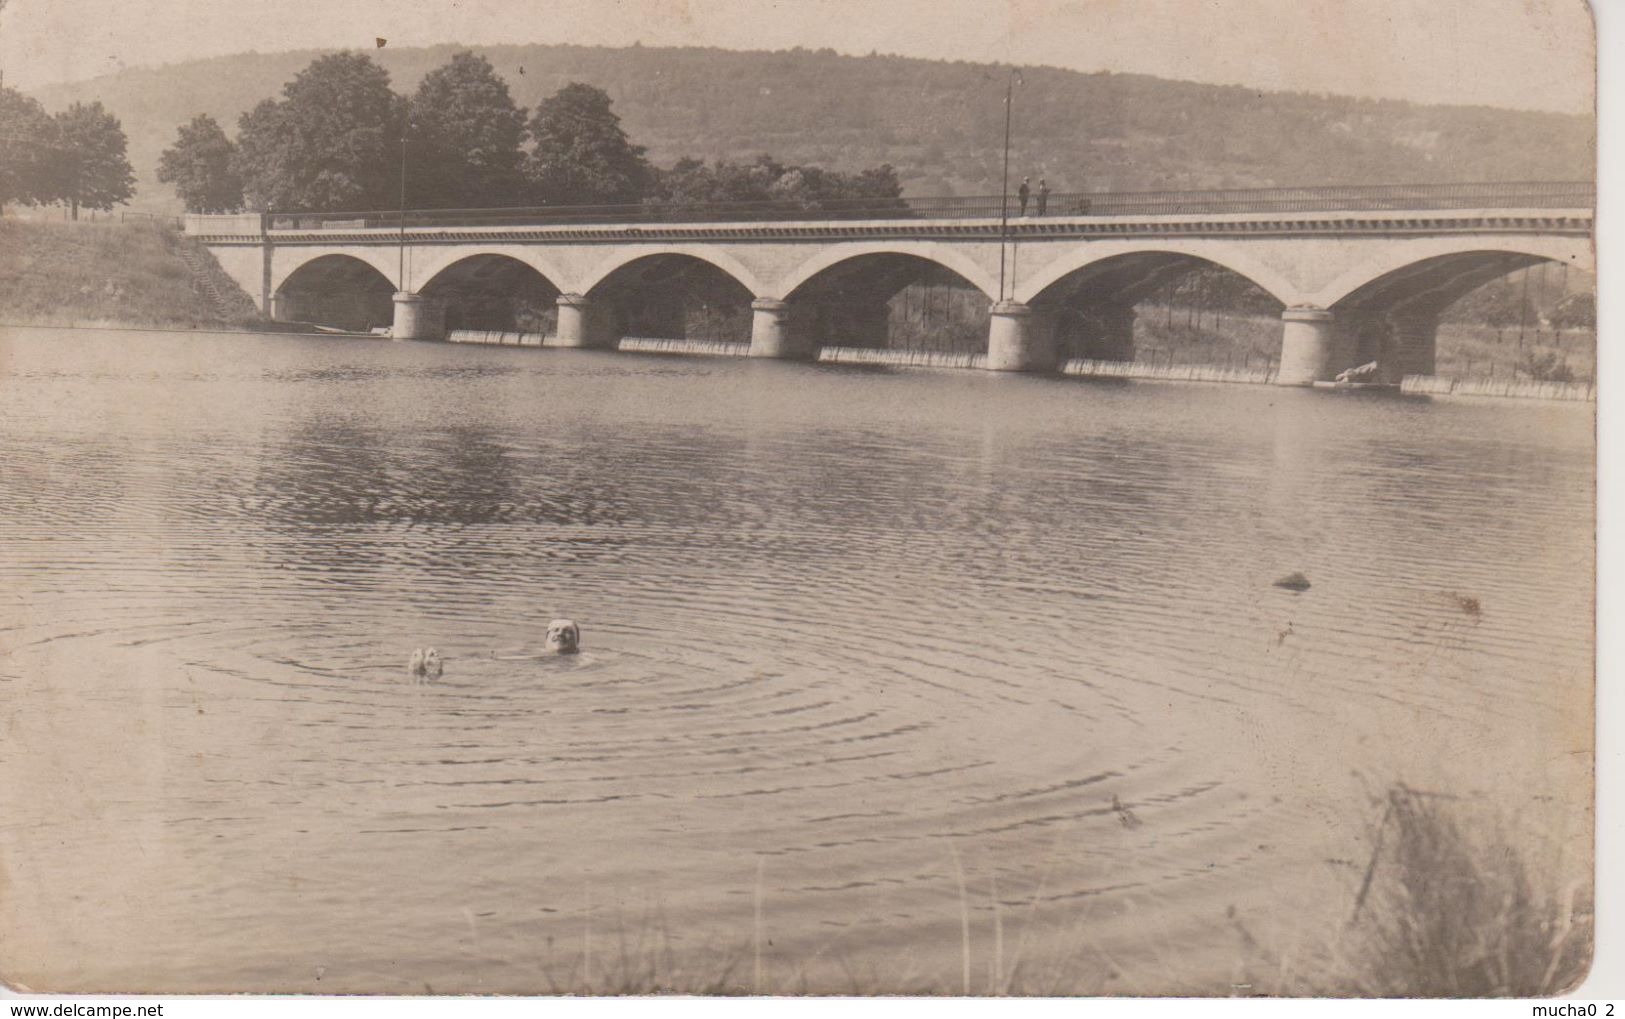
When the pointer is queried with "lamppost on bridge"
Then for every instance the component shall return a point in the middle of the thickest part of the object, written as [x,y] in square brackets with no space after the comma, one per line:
[416,317]
[3,70]
[1004,188]
[406,131]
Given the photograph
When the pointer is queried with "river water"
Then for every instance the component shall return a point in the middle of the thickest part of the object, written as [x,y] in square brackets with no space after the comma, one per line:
[892,679]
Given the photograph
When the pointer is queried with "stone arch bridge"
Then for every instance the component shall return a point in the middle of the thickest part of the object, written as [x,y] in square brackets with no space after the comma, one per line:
[1353,284]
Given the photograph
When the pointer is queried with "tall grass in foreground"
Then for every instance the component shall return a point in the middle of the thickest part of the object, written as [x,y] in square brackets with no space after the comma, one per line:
[646,963]
[1445,907]
[1448,909]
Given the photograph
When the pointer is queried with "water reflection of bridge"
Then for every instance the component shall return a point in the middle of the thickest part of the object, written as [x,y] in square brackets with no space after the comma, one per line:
[1355,273]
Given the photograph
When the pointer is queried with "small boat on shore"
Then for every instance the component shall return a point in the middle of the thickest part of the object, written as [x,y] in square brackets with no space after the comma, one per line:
[1367,376]
[1356,385]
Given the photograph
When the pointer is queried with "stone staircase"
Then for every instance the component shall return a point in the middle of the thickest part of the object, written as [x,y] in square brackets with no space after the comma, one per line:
[203,279]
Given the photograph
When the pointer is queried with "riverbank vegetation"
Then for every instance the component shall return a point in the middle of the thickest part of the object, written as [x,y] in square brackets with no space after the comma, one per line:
[1449,906]
[1442,903]
[75,157]
[135,274]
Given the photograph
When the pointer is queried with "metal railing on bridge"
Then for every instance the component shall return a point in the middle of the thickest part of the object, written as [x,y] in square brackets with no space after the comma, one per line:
[1337,198]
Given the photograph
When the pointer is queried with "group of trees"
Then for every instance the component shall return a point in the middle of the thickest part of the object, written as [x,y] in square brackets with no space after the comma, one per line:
[339,138]
[692,182]
[75,157]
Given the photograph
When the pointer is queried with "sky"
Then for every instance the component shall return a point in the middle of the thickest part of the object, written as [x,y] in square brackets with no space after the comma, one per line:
[1526,54]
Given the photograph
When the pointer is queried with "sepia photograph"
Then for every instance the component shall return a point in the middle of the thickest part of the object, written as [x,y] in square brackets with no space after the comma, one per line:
[969,498]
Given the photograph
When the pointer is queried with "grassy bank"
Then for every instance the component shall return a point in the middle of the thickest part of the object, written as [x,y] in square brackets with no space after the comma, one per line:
[1445,902]
[1449,906]
[138,274]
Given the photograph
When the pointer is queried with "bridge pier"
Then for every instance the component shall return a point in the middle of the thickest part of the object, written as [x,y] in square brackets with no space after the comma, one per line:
[772,335]
[1307,347]
[418,318]
[582,323]
[1019,340]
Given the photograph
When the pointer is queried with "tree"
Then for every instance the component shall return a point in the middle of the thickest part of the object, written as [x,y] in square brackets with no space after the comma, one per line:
[264,161]
[27,140]
[1546,367]
[582,157]
[465,139]
[199,165]
[1576,311]
[772,184]
[1499,303]
[688,180]
[332,142]
[89,163]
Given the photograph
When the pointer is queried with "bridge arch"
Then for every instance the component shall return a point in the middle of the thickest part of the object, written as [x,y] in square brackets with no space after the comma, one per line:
[1225,256]
[1224,316]
[493,290]
[1388,310]
[1463,252]
[949,257]
[1430,285]
[672,294]
[889,296]
[337,290]
[288,263]
[713,255]
[529,256]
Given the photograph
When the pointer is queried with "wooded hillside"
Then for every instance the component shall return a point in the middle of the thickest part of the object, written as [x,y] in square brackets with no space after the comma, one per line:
[939,123]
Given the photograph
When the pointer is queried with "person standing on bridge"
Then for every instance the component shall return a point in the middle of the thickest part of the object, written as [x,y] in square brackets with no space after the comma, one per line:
[1022,193]
[1043,195]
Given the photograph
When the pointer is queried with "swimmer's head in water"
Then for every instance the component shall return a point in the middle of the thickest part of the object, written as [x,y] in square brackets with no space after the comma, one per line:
[563,637]
[424,664]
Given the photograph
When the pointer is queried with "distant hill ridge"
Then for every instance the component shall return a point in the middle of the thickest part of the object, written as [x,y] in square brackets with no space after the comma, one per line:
[940,123]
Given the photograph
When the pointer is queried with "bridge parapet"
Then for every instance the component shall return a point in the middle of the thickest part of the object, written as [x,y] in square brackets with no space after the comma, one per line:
[241,224]
[1235,201]
[239,229]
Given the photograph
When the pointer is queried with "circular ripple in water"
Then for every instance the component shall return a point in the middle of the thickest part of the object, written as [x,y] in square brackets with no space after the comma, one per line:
[871,660]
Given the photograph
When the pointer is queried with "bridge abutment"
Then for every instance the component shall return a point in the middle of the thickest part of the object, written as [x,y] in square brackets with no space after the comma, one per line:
[1308,346]
[583,323]
[418,318]
[1019,340]
[772,333]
